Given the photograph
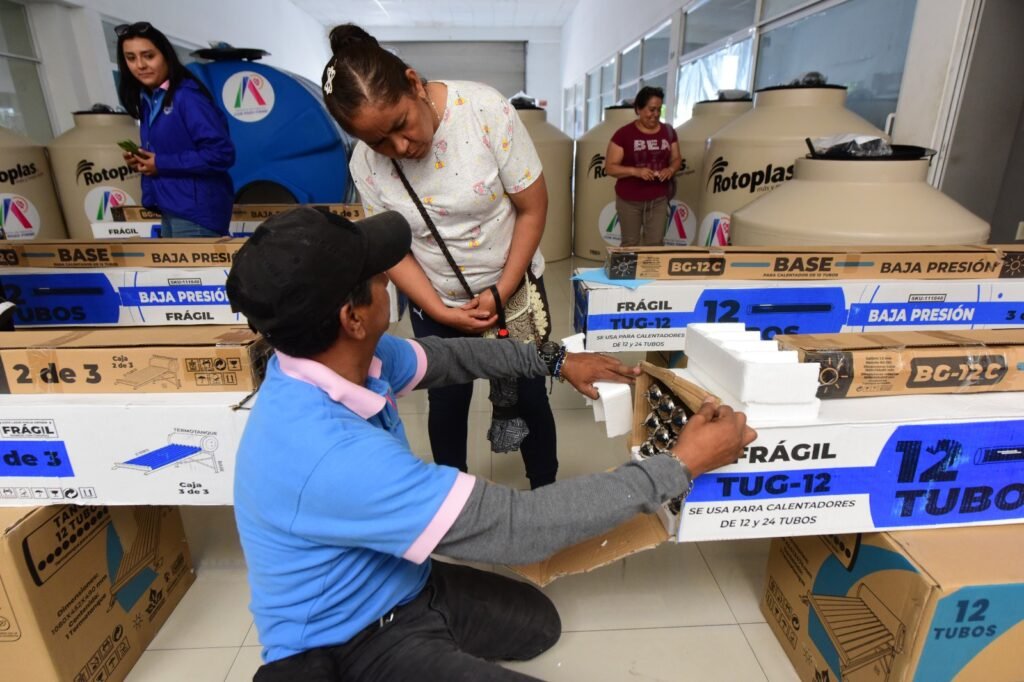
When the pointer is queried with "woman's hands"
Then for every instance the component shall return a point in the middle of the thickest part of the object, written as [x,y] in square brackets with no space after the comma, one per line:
[469,318]
[142,161]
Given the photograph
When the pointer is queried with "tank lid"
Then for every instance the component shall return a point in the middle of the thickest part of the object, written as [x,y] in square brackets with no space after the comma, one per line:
[522,101]
[733,95]
[223,52]
[900,152]
[823,86]
[104,109]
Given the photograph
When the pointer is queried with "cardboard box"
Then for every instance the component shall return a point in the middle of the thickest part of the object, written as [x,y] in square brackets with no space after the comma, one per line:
[922,606]
[138,222]
[816,263]
[84,590]
[654,316]
[865,465]
[128,297]
[121,360]
[901,363]
[138,253]
[176,448]
[239,212]
[118,296]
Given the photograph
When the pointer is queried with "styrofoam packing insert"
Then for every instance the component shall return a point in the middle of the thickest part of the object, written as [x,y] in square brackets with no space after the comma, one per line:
[614,405]
[757,413]
[752,371]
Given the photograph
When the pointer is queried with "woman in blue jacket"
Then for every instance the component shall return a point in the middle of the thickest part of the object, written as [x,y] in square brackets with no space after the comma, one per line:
[186,148]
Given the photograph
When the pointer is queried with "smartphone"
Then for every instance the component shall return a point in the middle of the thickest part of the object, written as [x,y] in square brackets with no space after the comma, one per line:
[129,147]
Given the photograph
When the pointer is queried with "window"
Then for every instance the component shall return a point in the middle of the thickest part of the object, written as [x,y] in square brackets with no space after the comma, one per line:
[608,85]
[776,8]
[580,92]
[701,79]
[714,20]
[593,98]
[629,72]
[655,53]
[861,44]
[22,105]
[568,110]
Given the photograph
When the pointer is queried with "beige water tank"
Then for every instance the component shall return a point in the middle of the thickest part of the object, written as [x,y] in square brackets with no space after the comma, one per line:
[596,220]
[91,174]
[708,117]
[28,203]
[555,151]
[852,202]
[755,153]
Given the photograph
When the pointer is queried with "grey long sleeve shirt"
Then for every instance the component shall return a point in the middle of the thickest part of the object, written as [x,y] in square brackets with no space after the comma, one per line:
[502,525]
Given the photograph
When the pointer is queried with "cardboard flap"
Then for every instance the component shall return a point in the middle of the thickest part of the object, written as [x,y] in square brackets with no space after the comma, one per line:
[129,337]
[640,533]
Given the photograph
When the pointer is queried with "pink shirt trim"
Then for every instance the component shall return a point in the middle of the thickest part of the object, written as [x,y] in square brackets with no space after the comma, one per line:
[450,509]
[421,369]
[359,399]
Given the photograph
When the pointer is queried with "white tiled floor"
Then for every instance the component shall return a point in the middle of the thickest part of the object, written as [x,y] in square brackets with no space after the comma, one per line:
[677,612]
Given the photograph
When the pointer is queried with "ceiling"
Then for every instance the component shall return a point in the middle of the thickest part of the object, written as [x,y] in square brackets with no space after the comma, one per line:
[440,13]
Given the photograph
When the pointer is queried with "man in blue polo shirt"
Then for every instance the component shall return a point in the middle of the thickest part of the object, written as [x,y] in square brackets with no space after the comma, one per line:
[338,518]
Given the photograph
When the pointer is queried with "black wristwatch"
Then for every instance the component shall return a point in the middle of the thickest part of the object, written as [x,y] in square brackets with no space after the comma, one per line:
[551,354]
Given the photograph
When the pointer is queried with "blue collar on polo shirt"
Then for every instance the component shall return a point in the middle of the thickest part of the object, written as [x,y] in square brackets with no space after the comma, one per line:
[156,99]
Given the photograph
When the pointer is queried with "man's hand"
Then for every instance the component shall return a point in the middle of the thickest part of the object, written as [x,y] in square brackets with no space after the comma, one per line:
[714,437]
[583,369]
[645,174]
[665,174]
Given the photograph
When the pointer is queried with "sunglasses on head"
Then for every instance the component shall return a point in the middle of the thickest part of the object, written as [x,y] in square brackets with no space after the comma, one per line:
[138,28]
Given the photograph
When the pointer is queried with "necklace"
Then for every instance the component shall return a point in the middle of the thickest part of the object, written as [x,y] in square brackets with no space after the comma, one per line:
[430,100]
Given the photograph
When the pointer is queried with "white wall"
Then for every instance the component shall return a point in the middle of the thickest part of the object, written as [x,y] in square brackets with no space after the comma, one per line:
[76,66]
[597,29]
[543,53]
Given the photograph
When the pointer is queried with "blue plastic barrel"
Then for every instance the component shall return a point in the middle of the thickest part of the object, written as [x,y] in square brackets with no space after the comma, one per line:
[283,135]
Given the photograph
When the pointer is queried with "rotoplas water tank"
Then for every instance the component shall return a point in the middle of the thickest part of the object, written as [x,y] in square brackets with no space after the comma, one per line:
[849,202]
[596,220]
[28,203]
[756,153]
[555,151]
[91,174]
[708,117]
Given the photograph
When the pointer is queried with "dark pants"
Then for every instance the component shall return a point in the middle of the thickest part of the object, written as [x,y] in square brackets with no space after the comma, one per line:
[462,620]
[448,418]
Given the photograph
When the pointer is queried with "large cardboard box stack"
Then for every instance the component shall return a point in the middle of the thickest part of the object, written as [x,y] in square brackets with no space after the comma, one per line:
[795,292]
[83,590]
[915,606]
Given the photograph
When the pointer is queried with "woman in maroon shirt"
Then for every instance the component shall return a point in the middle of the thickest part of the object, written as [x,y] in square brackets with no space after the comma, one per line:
[643,155]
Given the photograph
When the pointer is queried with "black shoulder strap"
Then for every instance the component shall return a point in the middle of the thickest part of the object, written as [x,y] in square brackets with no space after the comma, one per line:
[433,229]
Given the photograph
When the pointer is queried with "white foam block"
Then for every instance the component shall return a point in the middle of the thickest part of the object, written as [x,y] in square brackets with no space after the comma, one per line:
[753,371]
[757,413]
[614,405]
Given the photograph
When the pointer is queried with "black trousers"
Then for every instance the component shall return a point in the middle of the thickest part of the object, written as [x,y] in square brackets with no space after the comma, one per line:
[462,621]
[448,418]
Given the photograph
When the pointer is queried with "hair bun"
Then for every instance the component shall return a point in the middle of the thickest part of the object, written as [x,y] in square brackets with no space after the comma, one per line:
[348,36]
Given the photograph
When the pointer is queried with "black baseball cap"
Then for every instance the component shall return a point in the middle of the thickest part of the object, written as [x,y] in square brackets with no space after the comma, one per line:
[299,266]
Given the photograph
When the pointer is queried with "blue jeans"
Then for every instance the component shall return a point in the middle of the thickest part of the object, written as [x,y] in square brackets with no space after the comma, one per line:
[173,226]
